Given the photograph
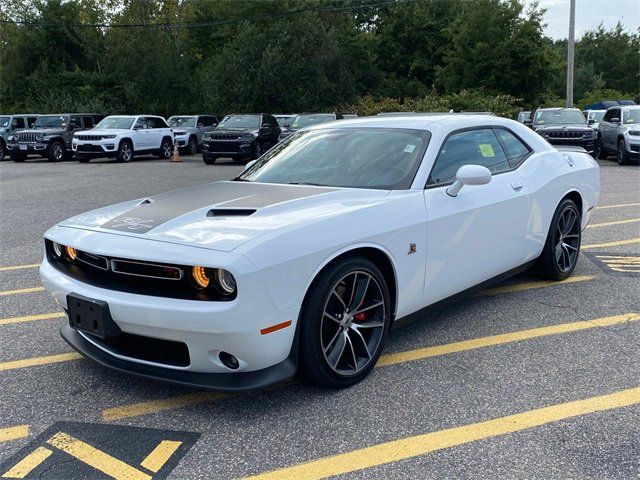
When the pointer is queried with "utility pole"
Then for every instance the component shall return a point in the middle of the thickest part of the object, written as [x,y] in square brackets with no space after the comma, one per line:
[570,51]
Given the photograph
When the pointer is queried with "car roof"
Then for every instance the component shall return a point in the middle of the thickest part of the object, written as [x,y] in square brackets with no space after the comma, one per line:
[19,114]
[61,114]
[192,115]
[558,108]
[418,122]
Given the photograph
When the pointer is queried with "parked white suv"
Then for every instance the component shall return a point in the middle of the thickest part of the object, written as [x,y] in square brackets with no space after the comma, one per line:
[123,136]
[188,130]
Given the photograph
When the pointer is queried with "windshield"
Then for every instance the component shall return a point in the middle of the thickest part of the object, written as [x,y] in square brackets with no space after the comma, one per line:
[182,122]
[4,121]
[284,120]
[307,120]
[558,117]
[632,115]
[349,157]
[596,116]
[123,123]
[522,116]
[52,121]
[240,121]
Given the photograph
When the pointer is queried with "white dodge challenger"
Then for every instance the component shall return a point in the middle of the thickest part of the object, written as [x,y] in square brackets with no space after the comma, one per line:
[305,260]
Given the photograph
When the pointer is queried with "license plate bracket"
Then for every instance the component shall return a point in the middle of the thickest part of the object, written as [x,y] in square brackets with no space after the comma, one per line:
[91,316]
[22,147]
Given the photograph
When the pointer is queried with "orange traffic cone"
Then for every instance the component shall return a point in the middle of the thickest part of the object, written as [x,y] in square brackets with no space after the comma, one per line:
[176,154]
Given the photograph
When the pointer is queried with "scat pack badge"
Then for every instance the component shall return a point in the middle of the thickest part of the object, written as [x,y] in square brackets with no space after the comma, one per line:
[132,223]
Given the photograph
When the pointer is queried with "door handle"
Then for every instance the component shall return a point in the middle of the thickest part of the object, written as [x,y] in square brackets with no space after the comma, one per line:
[517,186]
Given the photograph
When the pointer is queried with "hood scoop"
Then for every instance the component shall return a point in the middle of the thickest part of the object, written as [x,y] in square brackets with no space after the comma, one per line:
[231,212]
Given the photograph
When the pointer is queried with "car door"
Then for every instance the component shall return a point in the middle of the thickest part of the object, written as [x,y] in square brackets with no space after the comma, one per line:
[273,132]
[609,136]
[157,130]
[139,134]
[482,232]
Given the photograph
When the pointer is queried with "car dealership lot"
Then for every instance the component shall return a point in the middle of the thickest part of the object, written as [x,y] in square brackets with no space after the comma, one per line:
[585,345]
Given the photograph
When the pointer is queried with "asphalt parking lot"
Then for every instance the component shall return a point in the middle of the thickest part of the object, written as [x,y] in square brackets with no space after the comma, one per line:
[526,380]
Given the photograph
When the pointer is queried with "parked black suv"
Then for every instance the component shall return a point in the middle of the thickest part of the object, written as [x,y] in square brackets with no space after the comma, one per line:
[51,136]
[240,137]
[306,120]
[564,126]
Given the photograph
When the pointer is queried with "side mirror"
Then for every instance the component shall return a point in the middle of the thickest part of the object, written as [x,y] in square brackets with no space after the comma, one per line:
[591,121]
[266,125]
[200,125]
[250,164]
[214,124]
[615,120]
[137,127]
[528,122]
[469,175]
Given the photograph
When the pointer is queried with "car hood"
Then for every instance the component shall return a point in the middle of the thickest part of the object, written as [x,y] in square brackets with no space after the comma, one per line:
[572,126]
[104,131]
[46,131]
[224,215]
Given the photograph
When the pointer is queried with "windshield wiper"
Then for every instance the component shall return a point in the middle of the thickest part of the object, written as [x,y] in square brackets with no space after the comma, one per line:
[238,179]
[305,183]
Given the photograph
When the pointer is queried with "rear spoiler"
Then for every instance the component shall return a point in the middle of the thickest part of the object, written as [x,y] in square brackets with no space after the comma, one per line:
[570,148]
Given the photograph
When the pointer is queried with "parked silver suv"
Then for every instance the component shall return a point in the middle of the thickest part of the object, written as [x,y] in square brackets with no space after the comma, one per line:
[9,124]
[619,133]
[188,130]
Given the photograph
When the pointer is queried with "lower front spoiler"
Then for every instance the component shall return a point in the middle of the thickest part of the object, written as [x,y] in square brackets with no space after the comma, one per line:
[221,382]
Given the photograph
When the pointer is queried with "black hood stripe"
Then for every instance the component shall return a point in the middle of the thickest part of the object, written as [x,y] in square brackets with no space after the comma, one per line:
[245,195]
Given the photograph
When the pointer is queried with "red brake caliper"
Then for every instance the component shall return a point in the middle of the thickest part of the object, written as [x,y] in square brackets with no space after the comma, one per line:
[359,317]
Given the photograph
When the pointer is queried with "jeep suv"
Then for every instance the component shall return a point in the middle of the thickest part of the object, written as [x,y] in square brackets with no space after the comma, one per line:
[306,120]
[240,137]
[123,136]
[564,126]
[50,136]
[9,124]
[619,133]
[188,130]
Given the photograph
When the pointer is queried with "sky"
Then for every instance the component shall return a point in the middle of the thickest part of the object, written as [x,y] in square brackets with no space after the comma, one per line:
[589,14]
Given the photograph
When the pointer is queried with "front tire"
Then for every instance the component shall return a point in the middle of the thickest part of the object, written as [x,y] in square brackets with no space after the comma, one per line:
[209,160]
[55,152]
[125,152]
[192,146]
[3,150]
[560,253]
[166,149]
[17,157]
[344,323]
[258,150]
[622,156]
[598,151]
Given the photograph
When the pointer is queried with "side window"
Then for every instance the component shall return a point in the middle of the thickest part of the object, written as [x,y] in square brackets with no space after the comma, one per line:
[513,147]
[31,121]
[607,116]
[18,122]
[207,121]
[271,120]
[615,113]
[155,122]
[77,121]
[88,122]
[472,147]
[141,123]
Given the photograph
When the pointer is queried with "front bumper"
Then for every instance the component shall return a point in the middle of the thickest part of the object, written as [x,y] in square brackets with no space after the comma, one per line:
[222,382]
[207,328]
[181,140]
[28,148]
[231,149]
[97,148]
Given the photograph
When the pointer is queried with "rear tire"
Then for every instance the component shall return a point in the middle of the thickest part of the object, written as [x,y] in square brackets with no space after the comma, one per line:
[622,156]
[561,250]
[598,152]
[125,152]
[258,150]
[344,323]
[55,152]
[3,150]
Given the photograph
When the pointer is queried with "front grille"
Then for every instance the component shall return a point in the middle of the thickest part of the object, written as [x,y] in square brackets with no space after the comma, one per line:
[154,350]
[90,138]
[132,276]
[225,136]
[89,148]
[229,147]
[26,137]
[565,134]
[635,148]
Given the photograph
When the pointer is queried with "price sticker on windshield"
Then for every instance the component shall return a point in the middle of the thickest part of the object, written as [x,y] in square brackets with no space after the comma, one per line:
[486,149]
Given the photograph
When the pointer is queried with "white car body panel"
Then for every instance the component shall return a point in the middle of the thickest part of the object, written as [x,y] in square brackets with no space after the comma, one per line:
[276,252]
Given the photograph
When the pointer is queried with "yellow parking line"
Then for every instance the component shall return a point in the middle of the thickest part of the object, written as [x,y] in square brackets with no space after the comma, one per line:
[31,318]
[19,267]
[190,399]
[617,222]
[95,458]
[415,446]
[22,290]
[159,456]
[612,244]
[518,287]
[36,361]
[421,353]
[155,406]
[28,463]
[618,206]
[14,433]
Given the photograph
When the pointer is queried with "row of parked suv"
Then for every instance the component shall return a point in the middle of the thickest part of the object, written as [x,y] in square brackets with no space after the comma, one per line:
[616,132]
[86,135]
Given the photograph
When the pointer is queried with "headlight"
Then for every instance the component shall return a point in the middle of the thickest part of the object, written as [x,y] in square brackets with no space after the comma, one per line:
[248,136]
[57,249]
[108,136]
[10,138]
[39,137]
[225,281]
[200,276]
[71,253]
